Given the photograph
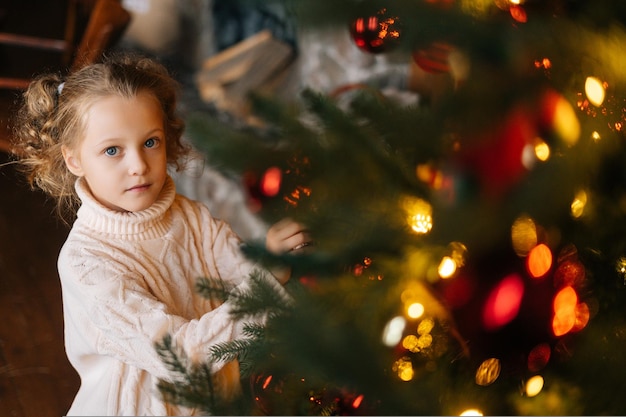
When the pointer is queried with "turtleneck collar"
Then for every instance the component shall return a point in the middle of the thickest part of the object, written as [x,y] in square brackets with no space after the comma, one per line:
[150,223]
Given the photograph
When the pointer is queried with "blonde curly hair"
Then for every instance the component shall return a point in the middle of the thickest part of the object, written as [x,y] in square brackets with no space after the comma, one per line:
[51,116]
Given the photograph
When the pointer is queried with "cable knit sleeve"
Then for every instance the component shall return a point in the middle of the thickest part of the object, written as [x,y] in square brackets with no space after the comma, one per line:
[123,319]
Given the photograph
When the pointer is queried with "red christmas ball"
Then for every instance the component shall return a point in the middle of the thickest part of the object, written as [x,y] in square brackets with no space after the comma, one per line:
[434,58]
[377,33]
[494,157]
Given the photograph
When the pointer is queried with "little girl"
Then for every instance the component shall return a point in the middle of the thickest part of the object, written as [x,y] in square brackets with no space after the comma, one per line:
[100,141]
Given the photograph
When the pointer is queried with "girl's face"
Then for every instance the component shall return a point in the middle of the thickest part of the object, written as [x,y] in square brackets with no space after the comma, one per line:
[122,155]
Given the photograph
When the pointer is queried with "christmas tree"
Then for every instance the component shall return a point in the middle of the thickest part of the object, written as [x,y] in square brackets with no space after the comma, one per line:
[469,252]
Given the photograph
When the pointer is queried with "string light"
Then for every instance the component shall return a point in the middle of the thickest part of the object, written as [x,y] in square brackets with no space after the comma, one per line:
[471,412]
[419,215]
[503,302]
[447,267]
[534,386]
[539,261]
[392,334]
[403,367]
[415,310]
[595,91]
[523,235]
[488,372]
[564,307]
[579,203]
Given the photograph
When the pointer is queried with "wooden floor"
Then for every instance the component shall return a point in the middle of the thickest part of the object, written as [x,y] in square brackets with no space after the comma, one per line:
[36,379]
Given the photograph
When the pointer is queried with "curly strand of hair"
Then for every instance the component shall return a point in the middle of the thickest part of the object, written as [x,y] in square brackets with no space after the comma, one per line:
[36,142]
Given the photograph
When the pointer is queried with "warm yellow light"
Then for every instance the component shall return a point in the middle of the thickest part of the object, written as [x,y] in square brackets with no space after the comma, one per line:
[415,310]
[425,327]
[419,214]
[447,267]
[406,374]
[566,123]
[579,203]
[542,150]
[488,372]
[410,343]
[416,344]
[534,385]
[620,266]
[404,369]
[425,341]
[595,136]
[594,89]
[421,223]
[471,412]
[523,235]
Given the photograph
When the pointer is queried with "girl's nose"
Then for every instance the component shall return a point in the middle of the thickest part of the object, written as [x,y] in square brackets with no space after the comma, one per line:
[137,164]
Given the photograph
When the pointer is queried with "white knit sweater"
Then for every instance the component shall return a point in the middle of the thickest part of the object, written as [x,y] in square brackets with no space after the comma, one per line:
[127,280]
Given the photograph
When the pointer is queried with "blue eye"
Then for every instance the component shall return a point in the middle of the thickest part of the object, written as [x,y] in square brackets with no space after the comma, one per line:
[150,143]
[111,151]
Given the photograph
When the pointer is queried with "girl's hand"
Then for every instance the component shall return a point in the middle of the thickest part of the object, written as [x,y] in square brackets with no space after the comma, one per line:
[286,236]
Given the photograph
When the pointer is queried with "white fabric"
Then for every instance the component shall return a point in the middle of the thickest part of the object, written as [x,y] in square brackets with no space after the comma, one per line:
[127,280]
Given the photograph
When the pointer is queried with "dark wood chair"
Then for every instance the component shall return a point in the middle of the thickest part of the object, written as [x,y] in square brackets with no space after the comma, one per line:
[88,29]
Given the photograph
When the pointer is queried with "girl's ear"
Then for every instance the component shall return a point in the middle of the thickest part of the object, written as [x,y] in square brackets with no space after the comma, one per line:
[72,162]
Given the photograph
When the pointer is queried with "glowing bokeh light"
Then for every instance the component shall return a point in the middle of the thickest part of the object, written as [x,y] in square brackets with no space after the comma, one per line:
[357,401]
[528,156]
[565,123]
[534,386]
[419,215]
[564,307]
[266,382]
[416,344]
[411,343]
[404,369]
[518,14]
[421,223]
[542,150]
[488,372]
[447,267]
[425,341]
[544,63]
[539,357]
[595,91]
[620,267]
[579,203]
[503,302]
[425,327]
[582,317]
[415,310]
[596,136]
[270,183]
[471,412]
[392,334]
[523,235]
[539,261]
[570,272]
